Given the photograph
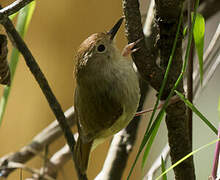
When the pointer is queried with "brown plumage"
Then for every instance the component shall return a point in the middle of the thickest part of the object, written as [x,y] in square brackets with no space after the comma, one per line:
[106,94]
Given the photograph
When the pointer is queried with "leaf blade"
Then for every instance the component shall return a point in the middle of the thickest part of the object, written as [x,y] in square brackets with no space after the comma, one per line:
[24,17]
[197,112]
[198,35]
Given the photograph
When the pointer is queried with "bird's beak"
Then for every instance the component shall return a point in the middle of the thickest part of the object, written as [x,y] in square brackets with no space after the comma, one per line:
[115,29]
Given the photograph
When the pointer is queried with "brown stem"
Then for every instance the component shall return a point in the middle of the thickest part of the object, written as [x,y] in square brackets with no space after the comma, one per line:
[167,14]
[190,75]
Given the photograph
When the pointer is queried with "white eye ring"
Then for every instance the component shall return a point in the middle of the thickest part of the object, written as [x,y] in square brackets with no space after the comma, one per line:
[101,48]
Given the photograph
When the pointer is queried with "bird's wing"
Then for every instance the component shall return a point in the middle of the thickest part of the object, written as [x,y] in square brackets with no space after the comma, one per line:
[96,114]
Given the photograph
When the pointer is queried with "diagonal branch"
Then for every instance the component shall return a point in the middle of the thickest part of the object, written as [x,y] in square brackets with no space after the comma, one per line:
[43,83]
[46,137]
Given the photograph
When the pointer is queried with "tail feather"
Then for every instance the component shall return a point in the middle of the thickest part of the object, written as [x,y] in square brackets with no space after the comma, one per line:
[82,151]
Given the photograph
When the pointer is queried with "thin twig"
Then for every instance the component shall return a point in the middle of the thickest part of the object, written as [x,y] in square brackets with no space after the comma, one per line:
[216,157]
[13,165]
[45,137]
[190,75]
[43,83]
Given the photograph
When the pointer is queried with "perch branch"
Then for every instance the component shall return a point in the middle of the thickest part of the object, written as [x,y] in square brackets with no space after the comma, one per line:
[167,14]
[143,58]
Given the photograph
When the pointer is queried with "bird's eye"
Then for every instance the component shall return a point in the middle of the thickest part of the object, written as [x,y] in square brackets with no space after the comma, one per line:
[101,48]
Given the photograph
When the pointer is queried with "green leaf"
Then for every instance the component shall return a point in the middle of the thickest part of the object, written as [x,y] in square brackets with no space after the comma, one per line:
[161,113]
[198,113]
[151,139]
[11,17]
[187,156]
[185,31]
[24,17]
[198,35]
[163,168]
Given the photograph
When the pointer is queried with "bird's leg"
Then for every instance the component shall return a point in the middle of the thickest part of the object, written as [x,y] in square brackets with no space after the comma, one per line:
[128,49]
[173,100]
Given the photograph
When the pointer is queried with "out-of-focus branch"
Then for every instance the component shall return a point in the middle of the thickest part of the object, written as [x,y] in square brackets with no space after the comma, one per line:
[13,8]
[16,165]
[54,165]
[46,137]
[157,163]
[209,8]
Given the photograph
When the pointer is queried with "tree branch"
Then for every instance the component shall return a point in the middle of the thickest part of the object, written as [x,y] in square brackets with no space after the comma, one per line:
[45,137]
[43,83]
[167,14]
[143,58]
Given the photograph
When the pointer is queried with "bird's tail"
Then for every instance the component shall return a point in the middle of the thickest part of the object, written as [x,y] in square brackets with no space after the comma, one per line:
[81,153]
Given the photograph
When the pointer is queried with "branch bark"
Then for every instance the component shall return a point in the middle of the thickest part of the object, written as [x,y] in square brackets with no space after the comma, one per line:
[167,14]
[144,59]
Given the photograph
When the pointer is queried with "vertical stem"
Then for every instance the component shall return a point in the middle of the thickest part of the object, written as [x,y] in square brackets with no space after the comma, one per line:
[190,76]
[216,157]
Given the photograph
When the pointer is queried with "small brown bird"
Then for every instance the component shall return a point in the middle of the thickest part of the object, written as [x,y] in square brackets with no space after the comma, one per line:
[107,91]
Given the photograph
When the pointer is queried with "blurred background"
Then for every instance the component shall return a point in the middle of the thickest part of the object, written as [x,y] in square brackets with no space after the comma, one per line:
[55,32]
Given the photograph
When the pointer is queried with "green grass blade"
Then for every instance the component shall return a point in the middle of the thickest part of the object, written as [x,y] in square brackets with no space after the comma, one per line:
[185,31]
[163,168]
[13,16]
[198,34]
[161,113]
[23,21]
[187,156]
[150,141]
[160,93]
[198,113]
